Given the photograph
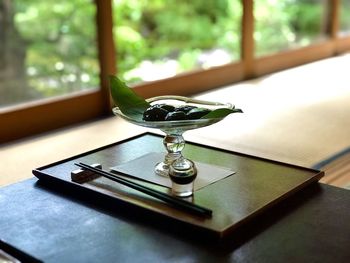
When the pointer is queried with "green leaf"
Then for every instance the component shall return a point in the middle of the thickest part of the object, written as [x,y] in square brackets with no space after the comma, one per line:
[129,103]
[220,113]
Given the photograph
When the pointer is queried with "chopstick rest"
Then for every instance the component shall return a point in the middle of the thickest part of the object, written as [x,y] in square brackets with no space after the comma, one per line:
[82,175]
[169,199]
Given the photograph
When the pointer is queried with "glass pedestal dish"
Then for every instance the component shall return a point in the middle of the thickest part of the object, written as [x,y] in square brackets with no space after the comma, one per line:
[173,140]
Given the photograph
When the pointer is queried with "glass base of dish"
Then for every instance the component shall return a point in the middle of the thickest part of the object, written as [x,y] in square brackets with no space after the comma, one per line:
[162,169]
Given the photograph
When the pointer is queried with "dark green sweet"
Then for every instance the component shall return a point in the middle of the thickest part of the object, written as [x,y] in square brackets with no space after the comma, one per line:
[175,116]
[166,112]
[155,113]
[197,113]
[185,108]
[167,107]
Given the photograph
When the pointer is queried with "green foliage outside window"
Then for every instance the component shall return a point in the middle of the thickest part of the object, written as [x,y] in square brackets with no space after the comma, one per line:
[162,30]
[282,25]
[345,17]
[60,42]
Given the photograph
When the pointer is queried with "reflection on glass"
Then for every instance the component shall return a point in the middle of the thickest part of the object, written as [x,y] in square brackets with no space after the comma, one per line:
[345,17]
[287,24]
[158,39]
[47,48]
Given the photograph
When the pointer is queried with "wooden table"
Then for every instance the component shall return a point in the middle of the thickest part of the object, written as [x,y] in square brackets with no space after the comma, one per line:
[61,223]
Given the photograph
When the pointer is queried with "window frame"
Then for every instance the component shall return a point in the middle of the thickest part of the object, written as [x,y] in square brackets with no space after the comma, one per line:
[36,117]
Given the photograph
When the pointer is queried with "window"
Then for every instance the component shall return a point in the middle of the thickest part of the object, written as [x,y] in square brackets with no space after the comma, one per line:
[158,39]
[288,24]
[48,49]
[51,64]
[56,55]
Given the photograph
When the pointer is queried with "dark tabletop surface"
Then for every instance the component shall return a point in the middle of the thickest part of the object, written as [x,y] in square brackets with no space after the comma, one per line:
[64,226]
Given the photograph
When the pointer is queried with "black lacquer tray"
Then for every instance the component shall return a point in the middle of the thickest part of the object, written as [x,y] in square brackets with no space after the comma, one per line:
[256,185]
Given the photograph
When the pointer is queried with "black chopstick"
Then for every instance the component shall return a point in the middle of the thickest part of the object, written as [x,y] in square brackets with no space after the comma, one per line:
[176,202]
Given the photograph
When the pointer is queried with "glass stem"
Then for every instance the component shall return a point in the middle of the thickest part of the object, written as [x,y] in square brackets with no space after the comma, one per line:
[174,143]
